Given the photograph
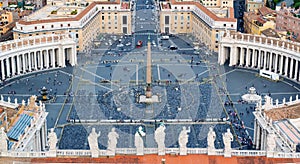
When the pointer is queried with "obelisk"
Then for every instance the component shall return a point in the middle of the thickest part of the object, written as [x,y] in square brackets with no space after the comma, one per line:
[148,73]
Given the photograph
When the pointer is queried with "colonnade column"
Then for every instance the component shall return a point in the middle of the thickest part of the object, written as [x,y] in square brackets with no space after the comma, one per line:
[53,58]
[2,69]
[253,58]
[35,61]
[42,59]
[296,70]
[291,68]
[276,63]
[23,63]
[265,60]
[259,59]
[281,64]
[47,59]
[286,66]
[13,66]
[242,54]
[271,61]
[247,57]
[8,67]
[29,62]
[18,64]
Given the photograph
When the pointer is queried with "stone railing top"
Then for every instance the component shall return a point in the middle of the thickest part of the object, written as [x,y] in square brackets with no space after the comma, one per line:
[33,40]
[285,44]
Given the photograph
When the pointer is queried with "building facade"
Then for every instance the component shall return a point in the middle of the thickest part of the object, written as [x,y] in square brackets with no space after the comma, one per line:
[195,19]
[286,21]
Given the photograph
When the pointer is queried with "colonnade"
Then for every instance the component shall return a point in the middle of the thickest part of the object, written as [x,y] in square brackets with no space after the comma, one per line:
[36,57]
[251,51]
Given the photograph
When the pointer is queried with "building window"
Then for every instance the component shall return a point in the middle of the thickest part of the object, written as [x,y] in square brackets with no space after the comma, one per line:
[116,27]
[175,18]
[102,17]
[108,8]
[68,25]
[43,27]
[175,8]
[52,26]
[181,8]
[61,25]
[102,7]
[35,27]
[224,25]
[115,7]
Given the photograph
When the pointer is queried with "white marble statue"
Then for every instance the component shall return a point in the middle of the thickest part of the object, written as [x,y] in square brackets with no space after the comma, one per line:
[3,140]
[297,97]
[227,139]
[8,99]
[183,140]
[112,142]
[138,141]
[2,99]
[160,139]
[52,139]
[283,101]
[211,136]
[291,99]
[93,140]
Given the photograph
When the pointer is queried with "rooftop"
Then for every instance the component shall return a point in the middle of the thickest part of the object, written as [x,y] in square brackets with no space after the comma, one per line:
[288,112]
[270,33]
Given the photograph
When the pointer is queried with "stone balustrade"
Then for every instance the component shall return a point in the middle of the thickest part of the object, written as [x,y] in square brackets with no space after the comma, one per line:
[131,151]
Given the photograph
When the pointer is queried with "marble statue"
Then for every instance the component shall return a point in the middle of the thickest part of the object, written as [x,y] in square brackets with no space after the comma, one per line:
[93,140]
[112,142]
[23,102]
[16,101]
[297,97]
[52,139]
[183,140]
[277,102]
[211,136]
[3,140]
[160,139]
[8,99]
[283,101]
[227,139]
[138,141]
[2,99]
[291,99]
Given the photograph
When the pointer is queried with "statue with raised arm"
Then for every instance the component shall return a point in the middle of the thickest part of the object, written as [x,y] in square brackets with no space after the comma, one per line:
[3,140]
[52,140]
[138,141]
[112,142]
[93,139]
[227,139]
[211,136]
[160,139]
[183,140]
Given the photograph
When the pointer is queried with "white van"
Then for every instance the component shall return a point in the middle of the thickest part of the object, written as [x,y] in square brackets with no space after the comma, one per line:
[165,37]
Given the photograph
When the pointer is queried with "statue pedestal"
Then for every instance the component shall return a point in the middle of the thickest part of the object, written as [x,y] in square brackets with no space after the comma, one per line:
[270,154]
[140,151]
[211,151]
[110,152]
[162,152]
[3,153]
[51,153]
[227,153]
[183,151]
[95,153]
